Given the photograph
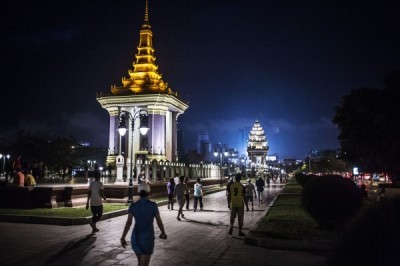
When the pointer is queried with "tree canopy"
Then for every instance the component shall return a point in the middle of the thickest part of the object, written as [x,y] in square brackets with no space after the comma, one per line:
[369,125]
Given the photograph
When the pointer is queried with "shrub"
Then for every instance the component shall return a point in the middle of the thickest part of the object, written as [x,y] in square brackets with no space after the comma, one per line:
[373,237]
[302,179]
[331,200]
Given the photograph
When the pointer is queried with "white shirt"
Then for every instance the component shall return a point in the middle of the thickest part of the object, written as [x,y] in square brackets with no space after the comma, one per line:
[95,197]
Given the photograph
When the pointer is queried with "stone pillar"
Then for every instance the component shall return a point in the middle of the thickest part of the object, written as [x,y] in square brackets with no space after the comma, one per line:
[120,168]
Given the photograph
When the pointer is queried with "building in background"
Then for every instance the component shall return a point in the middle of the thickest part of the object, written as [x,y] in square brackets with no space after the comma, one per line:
[204,146]
[257,146]
[144,90]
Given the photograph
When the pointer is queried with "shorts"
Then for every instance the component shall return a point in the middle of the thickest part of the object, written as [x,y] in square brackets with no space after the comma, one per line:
[181,202]
[249,198]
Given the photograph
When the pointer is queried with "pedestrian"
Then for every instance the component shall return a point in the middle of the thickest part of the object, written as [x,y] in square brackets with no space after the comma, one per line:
[19,178]
[170,191]
[95,196]
[180,190]
[187,195]
[142,239]
[237,207]
[260,184]
[17,164]
[249,194]
[198,195]
[228,192]
[29,179]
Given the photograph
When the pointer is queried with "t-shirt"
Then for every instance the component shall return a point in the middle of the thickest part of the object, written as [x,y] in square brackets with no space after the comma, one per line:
[260,184]
[95,197]
[198,190]
[144,212]
[180,190]
[249,189]
[30,180]
[237,194]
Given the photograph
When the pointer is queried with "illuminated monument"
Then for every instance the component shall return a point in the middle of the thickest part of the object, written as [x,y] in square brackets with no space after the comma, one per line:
[257,146]
[144,91]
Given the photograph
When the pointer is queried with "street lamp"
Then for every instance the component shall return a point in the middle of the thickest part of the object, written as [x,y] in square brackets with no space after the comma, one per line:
[4,161]
[143,117]
[221,150]
[244,160]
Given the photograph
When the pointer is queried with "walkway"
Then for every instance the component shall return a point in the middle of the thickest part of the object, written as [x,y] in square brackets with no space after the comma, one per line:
[200,239]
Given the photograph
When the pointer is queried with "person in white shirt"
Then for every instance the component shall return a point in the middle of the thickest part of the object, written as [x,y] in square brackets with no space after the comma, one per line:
[249,194]
[198,195]
[95,196]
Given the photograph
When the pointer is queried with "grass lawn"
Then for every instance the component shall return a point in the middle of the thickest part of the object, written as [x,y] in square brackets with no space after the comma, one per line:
[288,220]
[81,212]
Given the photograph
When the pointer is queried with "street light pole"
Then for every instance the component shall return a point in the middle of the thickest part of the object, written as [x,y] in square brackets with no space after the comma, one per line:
[142,115]
[220,150]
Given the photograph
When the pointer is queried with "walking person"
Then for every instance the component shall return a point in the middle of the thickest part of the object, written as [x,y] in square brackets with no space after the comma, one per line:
[170,191]
[237,207]
[180,190]
[95,196]
[142,239]
[249,194]
[187,195]
[228,192]
[198,195]
[260,184]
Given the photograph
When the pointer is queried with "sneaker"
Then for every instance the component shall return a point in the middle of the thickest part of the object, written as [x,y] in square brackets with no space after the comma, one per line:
[230,230]
[179,219]
[194,210]
[241,234]
[95,230]
[183,215]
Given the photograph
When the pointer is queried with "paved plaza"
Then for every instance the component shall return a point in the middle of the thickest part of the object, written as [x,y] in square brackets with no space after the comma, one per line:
[201,238]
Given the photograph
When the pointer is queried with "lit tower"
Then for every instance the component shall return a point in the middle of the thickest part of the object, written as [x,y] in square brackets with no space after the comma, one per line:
[257,145]
[144,89]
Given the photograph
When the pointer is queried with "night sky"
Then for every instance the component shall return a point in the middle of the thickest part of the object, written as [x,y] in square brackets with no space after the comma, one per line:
[284,63]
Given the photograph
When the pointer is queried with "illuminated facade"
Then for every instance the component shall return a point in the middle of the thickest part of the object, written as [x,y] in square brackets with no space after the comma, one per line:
[257,145]
[144,89]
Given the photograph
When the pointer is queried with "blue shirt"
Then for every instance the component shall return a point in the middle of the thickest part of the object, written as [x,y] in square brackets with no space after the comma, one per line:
[144,212]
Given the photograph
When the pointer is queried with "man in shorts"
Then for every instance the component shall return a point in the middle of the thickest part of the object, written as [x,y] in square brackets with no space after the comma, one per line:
[237,207]
[249,194]
[180,190]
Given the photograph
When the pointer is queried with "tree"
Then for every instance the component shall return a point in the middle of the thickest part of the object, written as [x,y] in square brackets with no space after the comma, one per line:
[368,121]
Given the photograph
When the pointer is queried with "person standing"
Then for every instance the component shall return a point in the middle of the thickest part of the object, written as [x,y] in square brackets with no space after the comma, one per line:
[17,164]
[187,195]
[142,239]
[228,192]
[260,184]
[95,196]
[237,207]
[170,191]
[19,178]
[249,194]
[198,195]
[180,190]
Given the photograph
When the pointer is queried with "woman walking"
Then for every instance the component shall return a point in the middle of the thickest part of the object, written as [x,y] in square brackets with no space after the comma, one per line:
[142,239]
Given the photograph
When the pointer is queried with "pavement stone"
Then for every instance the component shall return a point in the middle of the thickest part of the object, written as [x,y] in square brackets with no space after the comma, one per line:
[201,238]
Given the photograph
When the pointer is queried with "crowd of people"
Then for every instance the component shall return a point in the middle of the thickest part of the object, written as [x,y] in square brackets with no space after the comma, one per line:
[144,211]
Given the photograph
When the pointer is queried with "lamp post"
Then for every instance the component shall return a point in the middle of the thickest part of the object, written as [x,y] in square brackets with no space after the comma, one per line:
[4,162]
[245,165]
[220,150]
[142,115]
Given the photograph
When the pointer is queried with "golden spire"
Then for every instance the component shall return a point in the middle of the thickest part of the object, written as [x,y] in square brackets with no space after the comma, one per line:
[144,78]
[146,15]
